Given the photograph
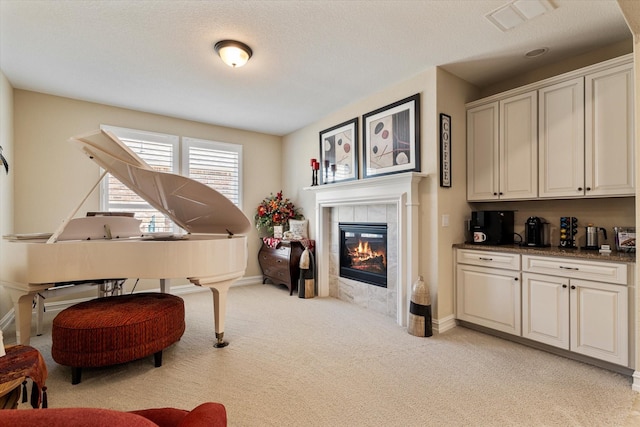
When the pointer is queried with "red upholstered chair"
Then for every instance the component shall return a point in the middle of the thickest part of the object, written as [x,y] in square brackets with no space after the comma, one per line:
[208,414]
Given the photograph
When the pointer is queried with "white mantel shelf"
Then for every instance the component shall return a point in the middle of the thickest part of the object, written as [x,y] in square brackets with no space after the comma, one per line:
[400,190]
[373,182]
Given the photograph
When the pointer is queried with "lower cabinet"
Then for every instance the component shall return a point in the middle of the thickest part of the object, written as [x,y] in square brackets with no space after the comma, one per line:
[577,305]
[589,318]
[489,296]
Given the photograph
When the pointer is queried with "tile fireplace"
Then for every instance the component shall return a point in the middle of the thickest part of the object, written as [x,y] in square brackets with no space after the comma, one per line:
[390,199]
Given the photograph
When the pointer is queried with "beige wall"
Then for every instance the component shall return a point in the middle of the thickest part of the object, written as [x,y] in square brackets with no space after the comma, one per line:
[453,93]
[440,92]
[52,176]
[541,73]
[6,181]
[606,213]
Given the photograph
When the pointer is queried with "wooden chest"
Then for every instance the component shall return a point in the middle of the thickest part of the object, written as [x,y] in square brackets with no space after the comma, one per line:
[281,265]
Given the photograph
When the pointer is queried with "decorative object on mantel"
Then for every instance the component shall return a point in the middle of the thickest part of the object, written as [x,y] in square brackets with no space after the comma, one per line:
[445,150]
[420,323]
[275,210]
[391,138]
[339,152]
[315,166]
[4,161]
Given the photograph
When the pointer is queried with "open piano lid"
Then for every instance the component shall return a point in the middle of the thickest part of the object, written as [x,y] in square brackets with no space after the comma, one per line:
[192,205]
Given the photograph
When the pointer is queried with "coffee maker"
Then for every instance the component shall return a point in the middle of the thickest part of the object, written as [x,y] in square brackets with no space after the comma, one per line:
[492,227]
[536,231]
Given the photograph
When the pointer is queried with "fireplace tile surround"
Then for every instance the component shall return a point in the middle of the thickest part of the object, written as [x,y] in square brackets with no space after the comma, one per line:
[391,199]
[381,300]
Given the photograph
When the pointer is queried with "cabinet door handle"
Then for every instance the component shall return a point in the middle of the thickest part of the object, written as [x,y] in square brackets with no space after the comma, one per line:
[573,287]
[485,259]
[579,188]
[569,268]
[564,286]
[588,188]
[515,278]
[495,194]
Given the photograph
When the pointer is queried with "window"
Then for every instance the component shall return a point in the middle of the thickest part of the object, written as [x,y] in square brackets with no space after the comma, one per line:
[215,164]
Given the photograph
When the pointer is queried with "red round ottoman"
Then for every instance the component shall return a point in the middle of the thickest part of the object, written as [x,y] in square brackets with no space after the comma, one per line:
[118,329]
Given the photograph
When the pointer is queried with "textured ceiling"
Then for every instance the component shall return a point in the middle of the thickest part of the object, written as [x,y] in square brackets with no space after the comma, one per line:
[310,57]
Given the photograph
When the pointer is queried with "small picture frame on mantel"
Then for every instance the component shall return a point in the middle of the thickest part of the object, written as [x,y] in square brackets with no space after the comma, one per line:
[445,150]
[339,152]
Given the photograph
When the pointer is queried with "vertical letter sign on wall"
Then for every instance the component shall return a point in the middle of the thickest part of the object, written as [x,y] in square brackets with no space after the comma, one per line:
[445,150]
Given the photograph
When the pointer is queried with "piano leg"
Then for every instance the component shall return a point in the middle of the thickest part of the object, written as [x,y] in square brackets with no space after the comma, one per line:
[39,314]
[219,312]
[22,306]
[219,291]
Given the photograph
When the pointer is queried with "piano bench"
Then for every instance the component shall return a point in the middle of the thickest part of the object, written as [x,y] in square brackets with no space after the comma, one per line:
[117,329]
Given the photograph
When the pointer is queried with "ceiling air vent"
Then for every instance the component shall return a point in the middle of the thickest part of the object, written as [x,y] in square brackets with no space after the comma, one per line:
[517,12]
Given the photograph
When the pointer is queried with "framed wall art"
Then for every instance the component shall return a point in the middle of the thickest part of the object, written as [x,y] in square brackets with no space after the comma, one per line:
[391,138]
[445,150]
[339,152]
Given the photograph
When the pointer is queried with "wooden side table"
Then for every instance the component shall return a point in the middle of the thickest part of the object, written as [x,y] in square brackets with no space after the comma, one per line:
[20,362]
[281,265]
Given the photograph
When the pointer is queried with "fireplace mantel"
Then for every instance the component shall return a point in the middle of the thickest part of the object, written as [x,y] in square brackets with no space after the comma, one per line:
[400,190]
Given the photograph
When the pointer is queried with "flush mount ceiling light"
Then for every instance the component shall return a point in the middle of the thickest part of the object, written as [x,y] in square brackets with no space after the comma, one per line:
[235,54]
[517,12]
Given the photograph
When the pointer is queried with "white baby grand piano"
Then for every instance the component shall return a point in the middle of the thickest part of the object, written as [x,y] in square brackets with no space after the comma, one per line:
[213,254]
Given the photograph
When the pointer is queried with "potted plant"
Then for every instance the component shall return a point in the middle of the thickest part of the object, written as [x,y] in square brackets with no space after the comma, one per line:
[275,210]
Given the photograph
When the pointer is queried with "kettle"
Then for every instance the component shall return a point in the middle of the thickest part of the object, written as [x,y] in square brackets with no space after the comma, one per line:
[592,236]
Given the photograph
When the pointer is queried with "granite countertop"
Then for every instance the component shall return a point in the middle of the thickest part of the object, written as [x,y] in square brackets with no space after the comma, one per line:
[627,257]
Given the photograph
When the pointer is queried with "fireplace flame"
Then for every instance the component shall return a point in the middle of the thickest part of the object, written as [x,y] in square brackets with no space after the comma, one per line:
[363,253]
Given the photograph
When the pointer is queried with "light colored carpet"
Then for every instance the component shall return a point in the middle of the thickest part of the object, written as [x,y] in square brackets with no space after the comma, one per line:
[324,362]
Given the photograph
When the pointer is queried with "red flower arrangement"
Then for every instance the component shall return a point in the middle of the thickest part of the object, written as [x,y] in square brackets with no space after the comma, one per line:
[275,210]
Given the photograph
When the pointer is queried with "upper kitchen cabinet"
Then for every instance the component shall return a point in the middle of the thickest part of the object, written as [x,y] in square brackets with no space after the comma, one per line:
[502,149]
[569,136]
[609,132]
[586,136]
[561,139]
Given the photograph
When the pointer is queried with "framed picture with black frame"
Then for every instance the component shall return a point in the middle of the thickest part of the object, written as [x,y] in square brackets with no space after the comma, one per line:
[339,152]
[391,138]
[445,150]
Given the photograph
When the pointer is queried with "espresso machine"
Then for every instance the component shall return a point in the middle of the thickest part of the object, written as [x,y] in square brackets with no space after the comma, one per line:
[492,227]
[536,232]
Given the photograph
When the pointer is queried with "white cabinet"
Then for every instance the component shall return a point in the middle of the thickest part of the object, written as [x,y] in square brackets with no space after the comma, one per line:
[482,152]
[489,295]
[589,317]
[586,143]
[574,304]
[569,136]
[609,136]
[599,320]
[502,154]
[561,139]
[545,309]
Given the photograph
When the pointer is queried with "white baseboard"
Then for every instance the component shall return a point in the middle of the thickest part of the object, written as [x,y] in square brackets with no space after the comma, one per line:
[636,381]
[444,324]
